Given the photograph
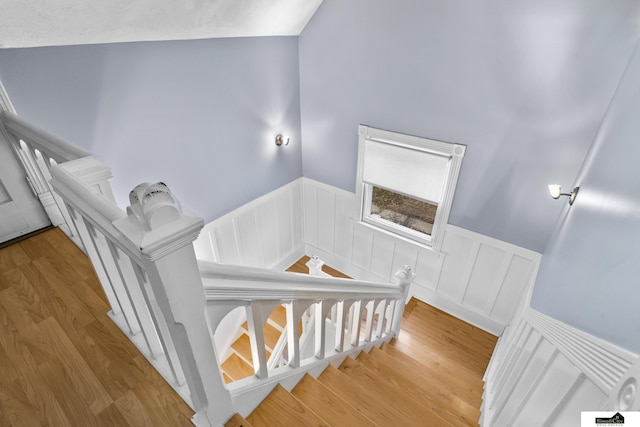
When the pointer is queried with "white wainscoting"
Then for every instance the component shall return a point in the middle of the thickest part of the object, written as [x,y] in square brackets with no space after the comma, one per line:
[474,277]
[266,232]
[544,373]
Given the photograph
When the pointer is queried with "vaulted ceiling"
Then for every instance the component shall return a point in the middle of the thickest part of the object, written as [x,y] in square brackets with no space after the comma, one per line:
[69,22]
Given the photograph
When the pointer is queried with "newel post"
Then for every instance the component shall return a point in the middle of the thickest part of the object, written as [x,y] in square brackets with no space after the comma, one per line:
[403,278]
[315,266]
[164,237]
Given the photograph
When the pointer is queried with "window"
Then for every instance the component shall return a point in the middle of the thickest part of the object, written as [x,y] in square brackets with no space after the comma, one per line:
[406,184]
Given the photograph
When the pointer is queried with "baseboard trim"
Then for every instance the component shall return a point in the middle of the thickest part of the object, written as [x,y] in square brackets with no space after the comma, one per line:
[25,236]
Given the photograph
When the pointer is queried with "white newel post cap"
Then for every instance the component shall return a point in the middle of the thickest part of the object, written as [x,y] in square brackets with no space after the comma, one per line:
[155,222]
[404,276]
[315,264]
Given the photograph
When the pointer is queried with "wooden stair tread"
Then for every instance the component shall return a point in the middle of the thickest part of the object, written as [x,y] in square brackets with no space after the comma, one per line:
[363,399]
[430,359]
[393,394]
[242,346]
[271,336]
[434,398]
[283,409]
[236,368]
[446,376]
[270,332]
[323,401]
[237,421]
[278,317]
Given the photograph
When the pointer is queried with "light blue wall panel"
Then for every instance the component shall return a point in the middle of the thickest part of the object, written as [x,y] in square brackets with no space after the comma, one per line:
[590,272]
[199,115]
[524,84]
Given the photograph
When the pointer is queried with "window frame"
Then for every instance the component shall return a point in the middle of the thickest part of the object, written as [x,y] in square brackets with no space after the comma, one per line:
[453,152]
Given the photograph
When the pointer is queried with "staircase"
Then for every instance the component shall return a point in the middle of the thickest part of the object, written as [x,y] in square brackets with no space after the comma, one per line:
[145,261]
[239,364]
[431,375]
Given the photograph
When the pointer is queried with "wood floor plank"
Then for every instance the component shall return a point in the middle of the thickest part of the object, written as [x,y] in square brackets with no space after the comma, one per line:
[132,410]
[162,410]
[76,369]
[236,368]
[242,346]
[63,362]
[282,409]
[111,416]
[237,421]
[56,377]
[15,408]
[22,361]
[363,399]
[400,398]
[11,257]
[436,395]
[44,402]
[328,405]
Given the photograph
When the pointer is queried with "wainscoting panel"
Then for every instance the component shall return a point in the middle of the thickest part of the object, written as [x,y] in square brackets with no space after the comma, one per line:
[266,232]
[536,379]
[474,277]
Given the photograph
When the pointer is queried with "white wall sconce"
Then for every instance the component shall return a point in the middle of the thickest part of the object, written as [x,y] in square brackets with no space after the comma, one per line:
[282,140]
[556,191]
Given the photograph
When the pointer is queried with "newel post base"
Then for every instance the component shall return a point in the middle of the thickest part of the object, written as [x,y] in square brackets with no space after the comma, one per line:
[164,237]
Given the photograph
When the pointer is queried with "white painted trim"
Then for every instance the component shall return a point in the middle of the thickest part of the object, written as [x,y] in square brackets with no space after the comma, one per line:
[455,153]
[454,308]
[485,297]
[5,101]
[545,367]
[269,242]
[604,363]
[247,207]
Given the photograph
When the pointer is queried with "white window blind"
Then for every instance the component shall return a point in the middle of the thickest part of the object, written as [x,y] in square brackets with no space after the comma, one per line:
[418,173]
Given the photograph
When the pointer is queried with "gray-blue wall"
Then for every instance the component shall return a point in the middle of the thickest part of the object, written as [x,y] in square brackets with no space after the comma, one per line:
[524,84]
[590,272]
[199,115]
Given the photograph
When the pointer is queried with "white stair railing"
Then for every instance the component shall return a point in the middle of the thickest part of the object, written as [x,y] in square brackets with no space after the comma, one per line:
[260,291]
[145,261]
[152,281]
[38,151]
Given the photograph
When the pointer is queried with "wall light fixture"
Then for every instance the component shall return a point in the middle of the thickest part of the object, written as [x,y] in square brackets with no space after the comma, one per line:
[282,140]
[556,191]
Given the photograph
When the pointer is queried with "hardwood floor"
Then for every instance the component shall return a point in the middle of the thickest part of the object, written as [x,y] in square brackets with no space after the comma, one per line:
[63,362]
[431,375]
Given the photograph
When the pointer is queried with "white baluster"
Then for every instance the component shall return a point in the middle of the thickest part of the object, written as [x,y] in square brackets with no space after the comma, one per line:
[295,309]
[89,243]
[257,314]
[381,311]
[368,330]
[355,321]
[320,334]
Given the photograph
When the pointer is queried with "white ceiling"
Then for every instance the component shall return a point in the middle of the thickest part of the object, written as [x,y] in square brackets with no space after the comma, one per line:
[29,23]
